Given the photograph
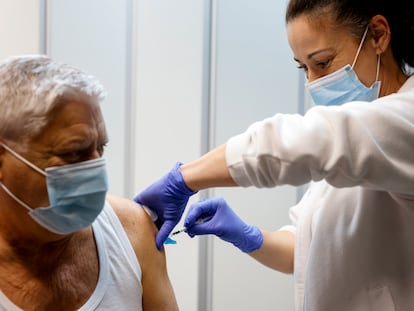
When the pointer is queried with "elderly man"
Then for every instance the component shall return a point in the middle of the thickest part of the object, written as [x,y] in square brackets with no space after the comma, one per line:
[65,244]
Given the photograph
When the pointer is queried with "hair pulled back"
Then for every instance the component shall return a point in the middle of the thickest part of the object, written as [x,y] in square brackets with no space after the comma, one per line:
[356,14]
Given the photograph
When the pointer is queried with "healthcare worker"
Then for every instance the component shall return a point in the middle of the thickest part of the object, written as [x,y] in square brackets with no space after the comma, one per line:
[351,241]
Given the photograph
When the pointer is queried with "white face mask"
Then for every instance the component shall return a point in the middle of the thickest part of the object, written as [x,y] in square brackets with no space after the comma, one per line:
[343,85]
[76,194]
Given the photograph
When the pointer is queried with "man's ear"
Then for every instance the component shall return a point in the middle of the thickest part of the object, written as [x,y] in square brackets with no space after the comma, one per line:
[380,33]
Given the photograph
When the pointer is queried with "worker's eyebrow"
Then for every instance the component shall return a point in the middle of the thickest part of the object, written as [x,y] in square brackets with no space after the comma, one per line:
[313,54]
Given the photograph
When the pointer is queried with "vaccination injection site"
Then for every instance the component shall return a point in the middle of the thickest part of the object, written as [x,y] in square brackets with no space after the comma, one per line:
[210,155]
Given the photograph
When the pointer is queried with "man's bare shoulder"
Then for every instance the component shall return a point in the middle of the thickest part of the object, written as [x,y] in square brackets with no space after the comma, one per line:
[137,223]
[158,293]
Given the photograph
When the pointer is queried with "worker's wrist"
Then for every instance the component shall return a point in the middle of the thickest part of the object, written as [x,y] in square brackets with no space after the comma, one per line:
[251,240]
[188,172]
[179,177]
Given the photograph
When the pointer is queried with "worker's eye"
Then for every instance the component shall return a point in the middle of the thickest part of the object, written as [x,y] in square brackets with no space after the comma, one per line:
[303,67]
[323,64]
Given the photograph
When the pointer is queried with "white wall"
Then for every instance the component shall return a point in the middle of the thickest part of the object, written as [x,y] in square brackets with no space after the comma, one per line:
[173,92]
[168,112]
[255,77]
[20,27]
[94,35]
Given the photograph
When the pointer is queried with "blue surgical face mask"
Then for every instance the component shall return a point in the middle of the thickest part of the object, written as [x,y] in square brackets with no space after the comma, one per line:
[76,194]
[343,85]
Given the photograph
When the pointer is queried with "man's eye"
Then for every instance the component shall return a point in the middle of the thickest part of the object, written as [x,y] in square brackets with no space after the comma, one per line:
[72,156]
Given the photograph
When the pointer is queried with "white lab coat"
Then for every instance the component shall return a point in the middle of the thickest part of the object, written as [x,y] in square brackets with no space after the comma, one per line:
[354,227]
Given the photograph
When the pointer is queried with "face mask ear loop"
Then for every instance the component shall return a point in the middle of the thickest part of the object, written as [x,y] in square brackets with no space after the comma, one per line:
[14,197]
[360,47]
[378,66]
[23,159]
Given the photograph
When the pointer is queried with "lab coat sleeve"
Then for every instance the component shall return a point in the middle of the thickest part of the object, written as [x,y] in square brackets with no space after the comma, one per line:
[293,216]
[289,228]
[359,143]
[294,212]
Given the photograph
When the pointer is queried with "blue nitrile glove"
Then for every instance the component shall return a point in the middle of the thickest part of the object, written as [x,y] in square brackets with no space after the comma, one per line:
[167,197]
[223,223]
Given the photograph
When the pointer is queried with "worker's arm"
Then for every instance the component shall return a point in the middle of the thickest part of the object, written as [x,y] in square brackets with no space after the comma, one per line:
[276,251]
[208,171]
[273,249]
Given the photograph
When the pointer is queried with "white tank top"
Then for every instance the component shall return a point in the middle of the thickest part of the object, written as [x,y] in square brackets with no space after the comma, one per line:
[119,283]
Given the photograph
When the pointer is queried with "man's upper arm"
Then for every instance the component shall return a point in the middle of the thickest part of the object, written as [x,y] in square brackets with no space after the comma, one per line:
[158,293]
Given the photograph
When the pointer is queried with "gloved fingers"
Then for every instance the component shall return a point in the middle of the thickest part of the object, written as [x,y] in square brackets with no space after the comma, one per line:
[164,232]
[201,229]
[223,222]
[207,217]
[199,210]
[148,203]
[138,199]
[158,223]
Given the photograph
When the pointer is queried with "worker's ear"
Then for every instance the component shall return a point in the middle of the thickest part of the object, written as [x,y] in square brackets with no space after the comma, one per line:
[380,33]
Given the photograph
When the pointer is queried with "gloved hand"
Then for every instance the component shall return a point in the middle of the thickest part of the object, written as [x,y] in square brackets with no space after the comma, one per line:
[224,223]
[168,198]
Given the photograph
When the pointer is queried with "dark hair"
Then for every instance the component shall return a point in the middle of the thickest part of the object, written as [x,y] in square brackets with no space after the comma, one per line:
[356,14]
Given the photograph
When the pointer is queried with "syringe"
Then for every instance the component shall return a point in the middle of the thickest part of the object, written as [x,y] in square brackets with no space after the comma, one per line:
[198,221]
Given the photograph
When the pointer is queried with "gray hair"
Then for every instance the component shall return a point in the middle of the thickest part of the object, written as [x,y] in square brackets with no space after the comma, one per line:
[31,86]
